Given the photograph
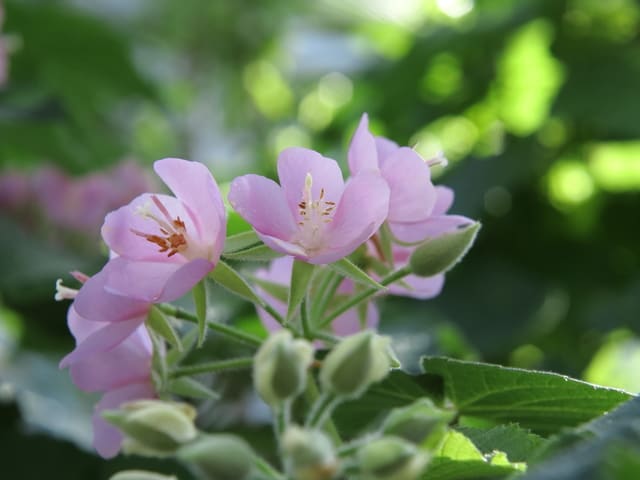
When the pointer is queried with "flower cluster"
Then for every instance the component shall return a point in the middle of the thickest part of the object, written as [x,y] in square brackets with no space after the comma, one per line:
[342,241]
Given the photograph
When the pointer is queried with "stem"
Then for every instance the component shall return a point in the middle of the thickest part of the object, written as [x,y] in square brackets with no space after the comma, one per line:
[210,367]
[325,337]
[227,330]
[282,419]
[272,311]
[350,448]
[304,319]
[332,281]
[365,294]
[321,409]
[265,468]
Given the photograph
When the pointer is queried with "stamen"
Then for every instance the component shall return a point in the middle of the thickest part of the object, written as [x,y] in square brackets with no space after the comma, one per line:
[64,293]
[173,239]
[438,160]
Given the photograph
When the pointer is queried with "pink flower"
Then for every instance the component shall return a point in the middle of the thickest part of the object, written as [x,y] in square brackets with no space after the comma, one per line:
[113,353]
[165,245]
[312,215]
[416,208]
[279,272]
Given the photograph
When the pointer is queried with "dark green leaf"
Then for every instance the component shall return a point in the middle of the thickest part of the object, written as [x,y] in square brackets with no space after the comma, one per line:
[159,323]
[230,279]
[301,275]
[517,443]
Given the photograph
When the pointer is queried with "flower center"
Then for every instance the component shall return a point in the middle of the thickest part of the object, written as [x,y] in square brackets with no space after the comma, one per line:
[173,232]
[314,215]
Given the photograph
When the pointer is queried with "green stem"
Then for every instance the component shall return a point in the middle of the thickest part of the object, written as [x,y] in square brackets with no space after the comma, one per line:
[350,448]
[325,337]
[332,284]
[364,295]
[272,311]
[221,328]
[312,394]
[210,367]
[265,468]
[304,319]
[320,410]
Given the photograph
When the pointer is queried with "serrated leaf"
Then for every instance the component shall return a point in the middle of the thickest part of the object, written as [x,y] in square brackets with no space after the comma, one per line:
[519,444]
[350,270]
[301,275]
[190,388]
[545,402]
[230,279]
[160,323]
[457,458]
[241,241]
[200,301]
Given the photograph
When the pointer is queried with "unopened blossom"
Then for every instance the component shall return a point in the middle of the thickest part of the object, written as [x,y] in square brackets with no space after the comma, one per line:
[279,273]
[164,245]
[113,352]
[313,215]
[416,206]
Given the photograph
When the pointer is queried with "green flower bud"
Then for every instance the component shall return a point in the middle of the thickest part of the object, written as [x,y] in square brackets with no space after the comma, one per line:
[391,458]
[280,367]
[140,475]
[219,457]
[154,427]
[439,254]
[308,454]
[355,363]
[416,421]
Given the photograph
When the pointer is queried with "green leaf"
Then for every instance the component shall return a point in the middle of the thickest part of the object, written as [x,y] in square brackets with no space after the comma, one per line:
[188,387]
[276,290]
[257,253]
[188,341]
[542,401]
[458,458]
[159,368]
[241,241]
[230,279]
[301,275]
[519,444]
[200,301]
[350,270]
[440,254]
[159,323]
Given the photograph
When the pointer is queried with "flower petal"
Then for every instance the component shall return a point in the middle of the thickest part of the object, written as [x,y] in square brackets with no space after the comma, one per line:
[293,166]
[349,322]
[412,193]
[96,304]
[154,282]
[385,148]
[362,209]
[418,287]
[444,200]
[101,340]
[282,246]
[430,228]
[107,439]
[261,202]
[194,185]
[362,150]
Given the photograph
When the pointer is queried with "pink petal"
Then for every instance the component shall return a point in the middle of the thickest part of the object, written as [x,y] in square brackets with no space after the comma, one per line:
[430,228]
[293,166]
[119,226]
[349,322]
[102,340]
[412,193]
[385,148]
[362,209]
[154,282]
[261,202]
[418,287]
[194,185]
[444,200]
[107,439]
[95,303]
[282,246]
[362,150]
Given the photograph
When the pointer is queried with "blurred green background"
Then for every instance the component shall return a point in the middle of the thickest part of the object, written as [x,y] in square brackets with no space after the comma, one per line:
[536,103]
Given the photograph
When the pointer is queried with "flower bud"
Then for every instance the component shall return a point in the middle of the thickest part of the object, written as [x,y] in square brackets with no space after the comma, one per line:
[416,421]
[280,367]
[355,363]
[140,475]
[219,457]
[308,454]
[391,458]
[439,254]
[153,427]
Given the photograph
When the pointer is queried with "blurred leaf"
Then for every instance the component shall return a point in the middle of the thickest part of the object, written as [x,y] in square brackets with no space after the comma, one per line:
[190,388]
[301,275]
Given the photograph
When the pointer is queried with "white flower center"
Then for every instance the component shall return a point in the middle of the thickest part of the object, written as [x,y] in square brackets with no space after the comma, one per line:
[314,216]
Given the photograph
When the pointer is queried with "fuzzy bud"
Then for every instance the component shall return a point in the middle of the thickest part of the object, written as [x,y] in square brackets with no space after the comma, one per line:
[439,254]
[391,458]
[355,363]
[308,454]
[219,457]
[154,427]
[280,367]
[140,475]
[417,421]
